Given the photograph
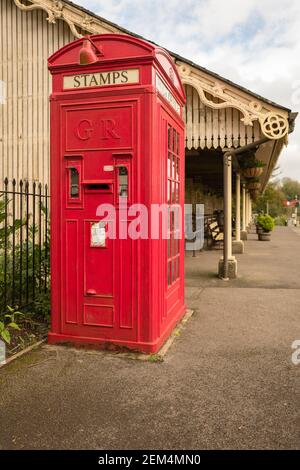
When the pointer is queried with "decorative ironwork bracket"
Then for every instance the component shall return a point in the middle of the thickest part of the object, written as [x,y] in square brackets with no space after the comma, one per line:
[74,17]
[274,124]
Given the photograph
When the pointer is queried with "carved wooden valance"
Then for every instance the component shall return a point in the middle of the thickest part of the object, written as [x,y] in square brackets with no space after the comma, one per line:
[273,121]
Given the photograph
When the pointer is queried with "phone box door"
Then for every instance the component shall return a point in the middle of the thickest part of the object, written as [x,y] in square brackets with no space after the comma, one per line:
[98,267]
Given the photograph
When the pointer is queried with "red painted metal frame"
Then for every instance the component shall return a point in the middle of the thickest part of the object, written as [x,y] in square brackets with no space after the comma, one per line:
[117,295]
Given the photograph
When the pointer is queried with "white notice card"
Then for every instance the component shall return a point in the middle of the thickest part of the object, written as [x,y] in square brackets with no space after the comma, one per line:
[98,237]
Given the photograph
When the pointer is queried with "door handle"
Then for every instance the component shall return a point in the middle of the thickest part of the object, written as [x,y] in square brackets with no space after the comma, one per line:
[91,292]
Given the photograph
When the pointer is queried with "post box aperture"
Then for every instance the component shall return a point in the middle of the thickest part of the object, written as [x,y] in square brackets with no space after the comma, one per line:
[117,194]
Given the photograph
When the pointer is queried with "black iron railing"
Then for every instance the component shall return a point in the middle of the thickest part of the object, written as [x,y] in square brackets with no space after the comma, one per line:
[24,242]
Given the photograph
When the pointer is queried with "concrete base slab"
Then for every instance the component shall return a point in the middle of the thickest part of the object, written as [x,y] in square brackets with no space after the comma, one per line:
[135,355]
[244,235]
[238,247]
[232,269]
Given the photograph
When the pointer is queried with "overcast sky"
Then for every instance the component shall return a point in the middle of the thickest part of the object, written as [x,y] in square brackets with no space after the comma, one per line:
[255,43]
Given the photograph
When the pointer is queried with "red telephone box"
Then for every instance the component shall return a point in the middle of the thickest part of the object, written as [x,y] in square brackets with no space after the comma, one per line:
[117,140]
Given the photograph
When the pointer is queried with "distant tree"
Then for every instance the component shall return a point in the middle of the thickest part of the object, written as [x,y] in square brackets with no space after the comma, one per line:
[290,188]
[273,197]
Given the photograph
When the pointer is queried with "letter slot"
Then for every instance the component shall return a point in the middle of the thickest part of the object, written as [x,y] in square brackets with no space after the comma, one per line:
[122,181]
[74,182]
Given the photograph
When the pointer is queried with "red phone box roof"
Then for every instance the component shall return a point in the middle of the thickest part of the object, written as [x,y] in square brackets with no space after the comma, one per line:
[118,52]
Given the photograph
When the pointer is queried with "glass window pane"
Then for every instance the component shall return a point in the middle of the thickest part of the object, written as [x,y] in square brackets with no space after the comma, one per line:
[74,183]
[123,181]
[173,191]
[169,165]
[174,246]
[173,270]
[177,147]
[172,217]
[177,267]
[177,169]
[169,273]
[174,141]
[169,192]
[173,168]
[169,247]
[170,137]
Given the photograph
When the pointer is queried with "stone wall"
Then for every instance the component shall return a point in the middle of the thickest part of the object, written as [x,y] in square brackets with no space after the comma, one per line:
[196,193]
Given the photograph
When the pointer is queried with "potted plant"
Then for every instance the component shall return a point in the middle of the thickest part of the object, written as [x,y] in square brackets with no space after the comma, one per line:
[266,225]
[253,184]
[254,193]
[251,167]
[258,226]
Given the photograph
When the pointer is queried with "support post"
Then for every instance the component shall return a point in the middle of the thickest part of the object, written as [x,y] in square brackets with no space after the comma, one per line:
[250,211]
[237,244]
[244,231]
[227,264]
[247,209]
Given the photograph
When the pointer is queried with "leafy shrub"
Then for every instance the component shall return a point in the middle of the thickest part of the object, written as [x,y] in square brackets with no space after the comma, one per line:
[24,271]
[41,305]
[280,220]
[8,321]
[266,222]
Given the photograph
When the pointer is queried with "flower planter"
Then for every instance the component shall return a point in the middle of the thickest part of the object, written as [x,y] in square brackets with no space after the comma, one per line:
[254,193]
[265,225]
[264,236]
[253,172]
[253,186]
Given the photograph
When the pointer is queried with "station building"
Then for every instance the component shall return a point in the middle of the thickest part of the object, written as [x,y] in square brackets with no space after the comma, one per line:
[223,120]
